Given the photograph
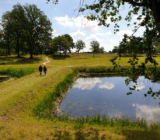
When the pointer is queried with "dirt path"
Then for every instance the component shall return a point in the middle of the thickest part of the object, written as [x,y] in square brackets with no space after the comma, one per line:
[47,61]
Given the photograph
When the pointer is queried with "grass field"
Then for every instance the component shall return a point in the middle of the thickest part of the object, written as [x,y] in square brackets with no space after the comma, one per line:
[19,97]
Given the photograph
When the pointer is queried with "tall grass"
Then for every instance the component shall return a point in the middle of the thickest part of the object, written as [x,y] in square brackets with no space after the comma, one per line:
[17,72]
[104,70]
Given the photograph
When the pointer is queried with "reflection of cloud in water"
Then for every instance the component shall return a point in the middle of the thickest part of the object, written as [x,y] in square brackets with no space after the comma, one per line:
[86,83]
[107,85]
[114,114]
[148,113]
[139,86]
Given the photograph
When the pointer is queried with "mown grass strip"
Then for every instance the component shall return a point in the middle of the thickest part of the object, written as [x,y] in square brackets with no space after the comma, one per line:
[17,72]
[45,107]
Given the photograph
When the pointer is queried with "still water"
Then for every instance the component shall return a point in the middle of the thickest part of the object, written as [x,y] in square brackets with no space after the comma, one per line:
[107,96]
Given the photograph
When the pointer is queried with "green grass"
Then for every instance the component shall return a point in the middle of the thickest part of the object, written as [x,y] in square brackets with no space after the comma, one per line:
[27,103]
[45,107]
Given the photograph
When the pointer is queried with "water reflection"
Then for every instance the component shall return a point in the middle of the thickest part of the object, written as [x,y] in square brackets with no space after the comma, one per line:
[139,86]
[149,113]
[107,85]
[107,96]
[86,83]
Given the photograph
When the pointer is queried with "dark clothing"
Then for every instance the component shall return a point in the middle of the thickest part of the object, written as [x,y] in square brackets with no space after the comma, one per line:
[45,69]
[40,68]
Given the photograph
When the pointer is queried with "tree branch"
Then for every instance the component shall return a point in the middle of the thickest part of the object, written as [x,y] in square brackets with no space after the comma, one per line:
[135,3]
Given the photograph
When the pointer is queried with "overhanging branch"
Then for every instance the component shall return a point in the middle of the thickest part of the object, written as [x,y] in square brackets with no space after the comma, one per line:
[135,3]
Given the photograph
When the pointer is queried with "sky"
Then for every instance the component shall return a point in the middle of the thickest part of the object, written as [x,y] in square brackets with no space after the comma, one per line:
[65,20]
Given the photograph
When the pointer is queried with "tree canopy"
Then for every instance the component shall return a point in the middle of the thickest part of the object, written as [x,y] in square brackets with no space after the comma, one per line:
[60,44]
[80,45]
[27,27]
[95,47]
[70,41]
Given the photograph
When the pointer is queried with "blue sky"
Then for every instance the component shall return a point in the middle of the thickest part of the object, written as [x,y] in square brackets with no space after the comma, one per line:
[64,21]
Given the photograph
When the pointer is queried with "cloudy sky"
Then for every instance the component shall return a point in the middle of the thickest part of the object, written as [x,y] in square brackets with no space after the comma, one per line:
[66,21]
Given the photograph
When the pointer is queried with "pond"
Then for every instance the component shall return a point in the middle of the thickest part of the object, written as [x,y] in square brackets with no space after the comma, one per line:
[107,96]
[2,79]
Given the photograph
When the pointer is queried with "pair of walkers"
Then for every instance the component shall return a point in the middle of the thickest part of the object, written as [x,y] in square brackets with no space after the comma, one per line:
[42,69]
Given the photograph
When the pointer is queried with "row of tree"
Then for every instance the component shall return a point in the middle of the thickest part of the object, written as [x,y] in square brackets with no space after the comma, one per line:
[65,43]
[27,30]
[136,45]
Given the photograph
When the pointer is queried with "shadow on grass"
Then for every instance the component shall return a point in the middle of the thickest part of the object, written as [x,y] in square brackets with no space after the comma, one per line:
[80,134]
[141,135]
[59,57]
[28,61]
[20,60]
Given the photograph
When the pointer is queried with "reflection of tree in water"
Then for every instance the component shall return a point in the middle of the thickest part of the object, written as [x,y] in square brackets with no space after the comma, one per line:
[151,79]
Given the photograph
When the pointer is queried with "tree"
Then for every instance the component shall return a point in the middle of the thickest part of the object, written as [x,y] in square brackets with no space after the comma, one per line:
[94,47]
[6,25]
[60,44]
[18,19]
[37,26]
[115,49]
[80,45]
[101,49]
[70,41]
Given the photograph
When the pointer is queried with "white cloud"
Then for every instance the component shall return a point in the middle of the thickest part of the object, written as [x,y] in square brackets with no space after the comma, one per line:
[139,86]
[55,35]
[138,21]
[64,21]
[86,83]
[107,85]
[78,34]
[148,113]
[122,32]
[94,37]
[80,22]
[114,42]
[103,34]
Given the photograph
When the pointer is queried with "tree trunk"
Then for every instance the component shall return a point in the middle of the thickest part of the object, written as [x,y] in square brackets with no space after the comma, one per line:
[18,47]
[155,7]
[8,46]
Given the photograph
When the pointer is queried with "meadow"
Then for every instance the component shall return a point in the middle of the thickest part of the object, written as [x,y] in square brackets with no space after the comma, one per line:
[27,103]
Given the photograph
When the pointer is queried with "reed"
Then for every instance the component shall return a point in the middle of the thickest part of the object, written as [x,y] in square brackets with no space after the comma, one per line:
[17,72]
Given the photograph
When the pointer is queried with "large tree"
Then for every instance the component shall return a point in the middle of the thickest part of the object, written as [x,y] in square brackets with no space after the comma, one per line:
[6,25]
[37,26]
[94,47]
[18,20]
[70,41]
[80,45]
[60,44]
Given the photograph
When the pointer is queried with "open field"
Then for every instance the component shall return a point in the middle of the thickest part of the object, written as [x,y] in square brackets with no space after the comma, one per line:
[19,97]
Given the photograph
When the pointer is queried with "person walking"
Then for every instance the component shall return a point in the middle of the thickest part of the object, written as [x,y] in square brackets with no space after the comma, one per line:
[45,70]
[40,70]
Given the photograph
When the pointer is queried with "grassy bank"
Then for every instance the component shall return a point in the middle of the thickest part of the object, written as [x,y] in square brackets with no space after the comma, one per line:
[26,104]
[18,72]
